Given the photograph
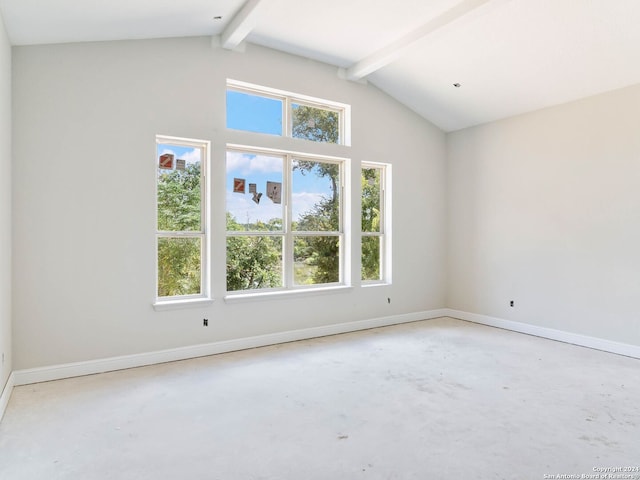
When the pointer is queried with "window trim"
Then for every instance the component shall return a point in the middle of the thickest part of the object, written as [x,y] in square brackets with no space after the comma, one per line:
[287,233]
[204,297]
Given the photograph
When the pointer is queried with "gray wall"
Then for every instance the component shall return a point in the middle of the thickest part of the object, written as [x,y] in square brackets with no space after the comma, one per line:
[544,209]
[5,205]
[85,121]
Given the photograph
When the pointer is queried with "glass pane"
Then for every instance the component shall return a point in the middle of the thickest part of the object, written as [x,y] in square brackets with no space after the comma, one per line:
[254,192]
[179,184]
[316,124]
[316,260]
[371,200]
[179,266]
[254,262]
[254,113]
[315,196]
[371,258]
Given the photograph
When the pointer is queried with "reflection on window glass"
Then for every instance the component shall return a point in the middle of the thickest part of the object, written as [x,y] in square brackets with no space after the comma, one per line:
[254,196]
[316,259]
[254,262]
[315,196]
[254,113]
[179,266]
[316,124]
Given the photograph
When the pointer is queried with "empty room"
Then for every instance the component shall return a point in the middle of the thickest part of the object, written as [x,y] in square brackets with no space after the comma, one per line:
[278,239]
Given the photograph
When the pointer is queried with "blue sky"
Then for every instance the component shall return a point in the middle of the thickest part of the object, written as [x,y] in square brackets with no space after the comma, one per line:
[254,113]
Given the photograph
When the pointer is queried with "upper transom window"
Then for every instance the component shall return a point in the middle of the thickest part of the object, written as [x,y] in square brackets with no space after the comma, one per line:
[264,110]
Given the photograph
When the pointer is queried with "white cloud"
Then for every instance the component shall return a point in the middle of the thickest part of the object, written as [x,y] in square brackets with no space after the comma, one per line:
[191,156]
[303,202]
[249,163]
[244,209]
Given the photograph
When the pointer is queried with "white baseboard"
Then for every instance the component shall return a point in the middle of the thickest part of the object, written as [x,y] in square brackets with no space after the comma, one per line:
[610,346]
[57,372]
[6,394]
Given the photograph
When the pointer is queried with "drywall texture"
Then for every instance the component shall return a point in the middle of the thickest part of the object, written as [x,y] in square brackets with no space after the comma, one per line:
[85,121]
[544,210]
[5,206]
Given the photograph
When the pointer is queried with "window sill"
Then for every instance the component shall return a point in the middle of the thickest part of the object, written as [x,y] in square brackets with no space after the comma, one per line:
[180,304]
[306,292]
[375,284]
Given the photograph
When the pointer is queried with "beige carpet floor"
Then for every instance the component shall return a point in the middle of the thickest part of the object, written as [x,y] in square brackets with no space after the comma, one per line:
[438,399]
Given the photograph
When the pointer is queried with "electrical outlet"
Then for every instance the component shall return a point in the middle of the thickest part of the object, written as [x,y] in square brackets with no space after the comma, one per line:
[205,322]
[511,303]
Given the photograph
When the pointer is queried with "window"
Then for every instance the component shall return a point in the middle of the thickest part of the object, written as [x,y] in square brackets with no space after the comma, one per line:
[284,210]
[375,243]
[181,233]
[262,110]
[284,220]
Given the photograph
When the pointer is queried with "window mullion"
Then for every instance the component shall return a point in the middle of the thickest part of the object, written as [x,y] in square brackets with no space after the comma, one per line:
[288,259]
[286,117]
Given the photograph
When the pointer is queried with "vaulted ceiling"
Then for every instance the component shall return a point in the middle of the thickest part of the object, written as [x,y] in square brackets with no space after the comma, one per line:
[507,56]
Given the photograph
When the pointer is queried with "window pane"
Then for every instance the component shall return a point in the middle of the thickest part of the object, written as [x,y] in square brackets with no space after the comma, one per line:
[254,262]
[316,124]
[371,258]
[371,200]
[316,260]
[254,113]
[315,196]
[179,266]
[179,184]
[254,192]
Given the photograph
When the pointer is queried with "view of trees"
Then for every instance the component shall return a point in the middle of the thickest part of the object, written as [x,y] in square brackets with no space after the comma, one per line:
[255,261]
[179,211]
[370,222]
[315,124]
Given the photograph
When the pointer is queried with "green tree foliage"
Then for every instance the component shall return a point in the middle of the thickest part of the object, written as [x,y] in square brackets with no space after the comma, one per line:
[315,124]
[370,222]
[253,261]
[179,199]
[178,266]
[179,210]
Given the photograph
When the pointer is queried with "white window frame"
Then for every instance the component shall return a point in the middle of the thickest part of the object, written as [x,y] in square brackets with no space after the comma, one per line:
[288,233]
[385,224]
[289,98]
[177,301]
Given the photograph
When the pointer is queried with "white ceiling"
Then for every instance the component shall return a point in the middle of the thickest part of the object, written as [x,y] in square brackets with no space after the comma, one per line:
[510,56]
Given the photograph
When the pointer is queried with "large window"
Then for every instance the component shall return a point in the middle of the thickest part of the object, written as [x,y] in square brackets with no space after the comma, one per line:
[258,109]
[375,221]
[181,242]
[284,220]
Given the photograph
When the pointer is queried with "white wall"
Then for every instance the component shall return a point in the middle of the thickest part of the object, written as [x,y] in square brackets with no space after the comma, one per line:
[544,209]
[5,205]
[85,120]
